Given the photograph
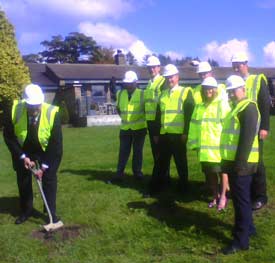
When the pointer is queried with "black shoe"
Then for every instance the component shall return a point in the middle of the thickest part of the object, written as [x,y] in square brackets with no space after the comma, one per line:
[138,176]
[21,219]
[258,205]
[232,249]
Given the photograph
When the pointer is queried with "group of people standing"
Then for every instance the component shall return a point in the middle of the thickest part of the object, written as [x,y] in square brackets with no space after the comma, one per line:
[225,123]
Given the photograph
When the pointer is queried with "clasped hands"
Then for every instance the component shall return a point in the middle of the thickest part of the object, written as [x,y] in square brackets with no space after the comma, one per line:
[30,165]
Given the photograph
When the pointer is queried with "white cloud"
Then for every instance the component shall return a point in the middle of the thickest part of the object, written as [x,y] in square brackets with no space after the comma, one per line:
[174,55]
[107,35]
[75,8]
[139,50]
[223,52]
[269,53]
[116,37]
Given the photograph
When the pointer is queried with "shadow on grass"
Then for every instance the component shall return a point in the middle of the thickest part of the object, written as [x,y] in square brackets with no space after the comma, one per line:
[10,205]
[184,219]
[196,189]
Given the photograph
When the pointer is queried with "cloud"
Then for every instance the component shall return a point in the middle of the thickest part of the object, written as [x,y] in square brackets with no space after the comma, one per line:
[107,35]
[76,8]
[269,53]
[223,52]
[139,50]
[174,55]
[116,37]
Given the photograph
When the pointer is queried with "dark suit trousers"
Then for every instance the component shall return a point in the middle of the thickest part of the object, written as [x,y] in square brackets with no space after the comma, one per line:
[127,140]
[172,145]
[240,187]
[258,187]
[49,184]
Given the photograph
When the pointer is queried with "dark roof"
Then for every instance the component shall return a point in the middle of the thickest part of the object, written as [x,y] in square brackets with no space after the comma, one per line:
[38,75]
[51,74]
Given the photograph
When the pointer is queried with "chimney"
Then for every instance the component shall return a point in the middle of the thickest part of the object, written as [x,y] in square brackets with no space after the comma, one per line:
[120,58]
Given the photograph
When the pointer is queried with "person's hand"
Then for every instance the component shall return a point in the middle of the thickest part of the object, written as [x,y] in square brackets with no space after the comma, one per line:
[156,139]
[39,174]
[28,163]
[263,134]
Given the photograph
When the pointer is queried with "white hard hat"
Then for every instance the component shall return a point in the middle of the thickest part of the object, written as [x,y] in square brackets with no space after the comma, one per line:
[130,77]
[153,61]
[234,82]
[209,82]
[170,70]
[33,95]
[204,67]
[239,57]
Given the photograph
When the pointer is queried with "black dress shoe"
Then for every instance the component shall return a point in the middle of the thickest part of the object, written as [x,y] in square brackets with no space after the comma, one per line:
[232,249]
[21,219]
[258,205]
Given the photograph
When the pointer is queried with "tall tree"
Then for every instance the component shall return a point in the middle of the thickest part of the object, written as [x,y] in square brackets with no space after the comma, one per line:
[75,48]
[14,75]
[130,59]
[105,56]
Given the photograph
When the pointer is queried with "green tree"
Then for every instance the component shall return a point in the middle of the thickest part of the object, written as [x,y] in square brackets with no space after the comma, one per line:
[14,75]
[64,113]
[74,48]
[130,59]
[105,56]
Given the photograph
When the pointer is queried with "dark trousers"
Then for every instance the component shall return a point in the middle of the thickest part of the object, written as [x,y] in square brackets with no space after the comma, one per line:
[240,187]
[128,139]
[258,187]
[154,145]
[172,145]
[49,184]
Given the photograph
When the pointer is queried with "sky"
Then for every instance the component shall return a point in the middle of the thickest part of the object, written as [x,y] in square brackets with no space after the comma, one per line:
[212,29]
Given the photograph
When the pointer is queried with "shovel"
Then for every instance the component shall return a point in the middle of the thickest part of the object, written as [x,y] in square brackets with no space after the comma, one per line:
[51,226]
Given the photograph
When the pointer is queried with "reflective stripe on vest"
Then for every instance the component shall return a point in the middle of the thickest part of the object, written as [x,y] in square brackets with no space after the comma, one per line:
[171,106]
[131,111]
[231,133]
[253,85]
[205,129]
[152,94]
[46,121]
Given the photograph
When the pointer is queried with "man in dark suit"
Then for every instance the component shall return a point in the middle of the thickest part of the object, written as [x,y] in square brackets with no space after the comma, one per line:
[32,132]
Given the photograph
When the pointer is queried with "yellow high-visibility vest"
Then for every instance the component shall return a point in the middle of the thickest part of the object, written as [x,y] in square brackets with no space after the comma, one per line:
[231,133]
[152,93]
[253,85]
[20,122]
[197,93]
[171,107]
[131,111]
[205,129]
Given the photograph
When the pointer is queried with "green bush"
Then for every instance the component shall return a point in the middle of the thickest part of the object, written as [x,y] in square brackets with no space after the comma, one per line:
[64,113]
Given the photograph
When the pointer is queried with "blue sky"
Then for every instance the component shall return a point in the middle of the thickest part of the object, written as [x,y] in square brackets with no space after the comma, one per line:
[204,28]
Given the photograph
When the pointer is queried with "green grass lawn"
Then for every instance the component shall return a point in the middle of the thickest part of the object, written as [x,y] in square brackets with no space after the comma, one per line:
[115,222]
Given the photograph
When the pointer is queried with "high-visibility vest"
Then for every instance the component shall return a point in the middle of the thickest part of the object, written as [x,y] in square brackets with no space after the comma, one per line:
[20,122]
[253,85]
[206,127]
[231,133]
[172,112]
[152,93]
[131,111]
[198,97]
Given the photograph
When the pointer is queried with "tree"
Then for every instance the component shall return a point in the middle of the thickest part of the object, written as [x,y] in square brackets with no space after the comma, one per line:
[105,56]
[130,59]
[75,48]
[14,75]
[213,63]
[33,58]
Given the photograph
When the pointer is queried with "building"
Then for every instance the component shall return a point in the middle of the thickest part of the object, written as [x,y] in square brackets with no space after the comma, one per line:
[90,88]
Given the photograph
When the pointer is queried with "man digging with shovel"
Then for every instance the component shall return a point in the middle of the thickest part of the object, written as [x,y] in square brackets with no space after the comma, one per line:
[32,132]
